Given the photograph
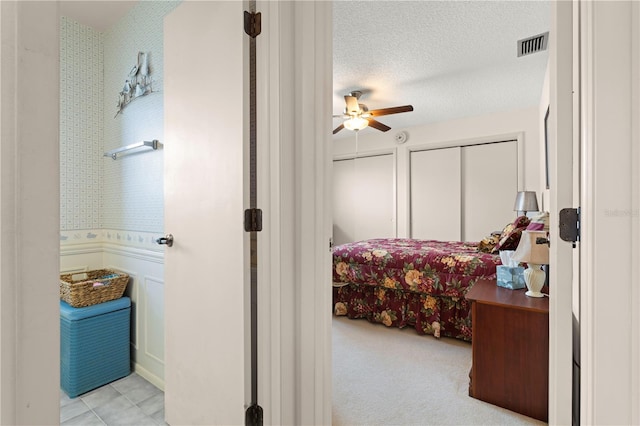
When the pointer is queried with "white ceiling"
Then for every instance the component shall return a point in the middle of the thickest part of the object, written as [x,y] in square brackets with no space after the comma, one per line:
[449,59]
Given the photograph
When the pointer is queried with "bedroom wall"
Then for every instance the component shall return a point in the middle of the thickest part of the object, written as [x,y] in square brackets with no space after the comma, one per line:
[486,127]
[112,211]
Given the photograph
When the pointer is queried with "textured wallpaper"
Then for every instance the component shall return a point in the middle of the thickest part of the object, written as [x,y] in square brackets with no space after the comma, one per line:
[81,129]
[97,192]
[133,185]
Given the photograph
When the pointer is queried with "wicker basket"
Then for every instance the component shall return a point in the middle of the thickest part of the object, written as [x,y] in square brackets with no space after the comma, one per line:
[92,287]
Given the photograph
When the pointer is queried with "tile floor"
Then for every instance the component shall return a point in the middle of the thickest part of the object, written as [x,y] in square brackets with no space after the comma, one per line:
[129,401]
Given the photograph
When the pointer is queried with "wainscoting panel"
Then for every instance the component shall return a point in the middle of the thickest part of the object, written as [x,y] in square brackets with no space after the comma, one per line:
[80,258]
[154,318]
[133,292]
[147,299]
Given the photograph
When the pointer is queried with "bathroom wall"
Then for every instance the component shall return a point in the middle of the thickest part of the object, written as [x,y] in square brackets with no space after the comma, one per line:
[112,210]
[133,190]
[81,129]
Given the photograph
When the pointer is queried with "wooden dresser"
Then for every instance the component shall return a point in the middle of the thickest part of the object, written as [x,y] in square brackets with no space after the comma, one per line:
[510,349]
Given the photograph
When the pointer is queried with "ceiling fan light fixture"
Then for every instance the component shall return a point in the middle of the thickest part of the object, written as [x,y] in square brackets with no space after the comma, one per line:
[356,123]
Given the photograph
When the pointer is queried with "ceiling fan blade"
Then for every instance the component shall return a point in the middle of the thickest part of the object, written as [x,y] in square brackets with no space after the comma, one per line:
[352,105]
[378,125]
[392,110]
[337,129]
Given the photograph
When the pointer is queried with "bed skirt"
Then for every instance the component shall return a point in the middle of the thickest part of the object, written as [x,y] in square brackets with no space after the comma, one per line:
[437,315]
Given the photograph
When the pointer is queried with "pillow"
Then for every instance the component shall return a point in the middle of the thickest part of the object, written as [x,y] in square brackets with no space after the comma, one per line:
[510,236]
[488,243]
[539,222]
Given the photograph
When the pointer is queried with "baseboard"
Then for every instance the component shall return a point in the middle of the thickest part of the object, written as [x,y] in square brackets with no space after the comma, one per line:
[150,377]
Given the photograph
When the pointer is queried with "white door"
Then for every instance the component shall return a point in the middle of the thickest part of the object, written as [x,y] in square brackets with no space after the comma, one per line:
[489,185]
[435,194]
[205,268]
[364,199]
[561,157]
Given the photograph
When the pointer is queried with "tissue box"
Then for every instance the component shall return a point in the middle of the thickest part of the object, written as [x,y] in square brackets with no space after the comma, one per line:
[511,277]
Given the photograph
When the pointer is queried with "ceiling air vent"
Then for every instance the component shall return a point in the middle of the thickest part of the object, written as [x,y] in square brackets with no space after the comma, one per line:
[534,44]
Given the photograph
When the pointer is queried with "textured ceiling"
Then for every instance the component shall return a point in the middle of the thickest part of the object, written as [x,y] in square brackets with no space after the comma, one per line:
[449,59]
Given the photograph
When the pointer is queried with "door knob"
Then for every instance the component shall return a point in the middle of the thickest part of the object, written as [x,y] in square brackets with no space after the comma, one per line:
[167,239]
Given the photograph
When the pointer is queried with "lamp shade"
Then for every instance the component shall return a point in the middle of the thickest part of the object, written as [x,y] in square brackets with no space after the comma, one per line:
[529,251]
[356,123]
[526,201]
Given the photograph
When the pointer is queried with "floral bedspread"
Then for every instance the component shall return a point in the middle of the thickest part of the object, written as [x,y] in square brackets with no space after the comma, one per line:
[400,282]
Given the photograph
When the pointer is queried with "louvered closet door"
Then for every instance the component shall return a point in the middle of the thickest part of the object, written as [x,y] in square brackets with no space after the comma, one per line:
[489,187]
[435,194]
[363,199]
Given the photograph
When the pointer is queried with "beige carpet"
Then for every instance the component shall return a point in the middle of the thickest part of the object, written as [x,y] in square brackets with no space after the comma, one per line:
[388,376]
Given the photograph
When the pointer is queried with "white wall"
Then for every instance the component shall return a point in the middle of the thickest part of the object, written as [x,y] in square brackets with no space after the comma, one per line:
[610,224]
[487,128]
[81,126]
[29,214]
[133,185]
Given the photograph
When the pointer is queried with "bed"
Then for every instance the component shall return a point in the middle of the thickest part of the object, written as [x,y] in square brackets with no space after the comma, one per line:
[407,282]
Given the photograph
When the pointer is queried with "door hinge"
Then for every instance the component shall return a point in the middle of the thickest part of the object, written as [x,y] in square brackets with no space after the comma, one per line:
[253,220]
[252,23]
[331,244]
[570,225]
[253,416]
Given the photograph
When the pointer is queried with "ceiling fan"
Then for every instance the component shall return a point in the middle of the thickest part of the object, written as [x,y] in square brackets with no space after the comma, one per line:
[357,116]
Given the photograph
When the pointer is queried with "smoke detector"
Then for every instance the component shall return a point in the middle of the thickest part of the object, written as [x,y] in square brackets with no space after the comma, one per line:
[401,137]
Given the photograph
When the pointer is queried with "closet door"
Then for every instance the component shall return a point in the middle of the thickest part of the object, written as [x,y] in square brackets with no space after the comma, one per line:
[363,199]
[489,187]
[435,194]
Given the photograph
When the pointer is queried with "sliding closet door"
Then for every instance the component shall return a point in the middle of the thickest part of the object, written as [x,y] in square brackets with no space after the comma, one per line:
[435,194]
[363,198]
[489,186]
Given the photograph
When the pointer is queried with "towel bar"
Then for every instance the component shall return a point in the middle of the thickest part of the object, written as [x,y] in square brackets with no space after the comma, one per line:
[114,152]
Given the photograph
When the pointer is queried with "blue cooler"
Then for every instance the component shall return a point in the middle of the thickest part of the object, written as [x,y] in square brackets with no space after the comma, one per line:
[94,345]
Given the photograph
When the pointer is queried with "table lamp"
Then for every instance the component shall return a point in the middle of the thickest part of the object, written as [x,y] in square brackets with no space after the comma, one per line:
[534,254]
[526,201]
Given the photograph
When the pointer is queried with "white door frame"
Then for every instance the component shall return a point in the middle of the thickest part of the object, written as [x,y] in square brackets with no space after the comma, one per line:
[29,213]
[561,196]
[294,168]
[293,172]
[610,232]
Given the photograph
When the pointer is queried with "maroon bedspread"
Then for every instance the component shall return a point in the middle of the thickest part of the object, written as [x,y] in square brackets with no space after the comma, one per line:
[400,282]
